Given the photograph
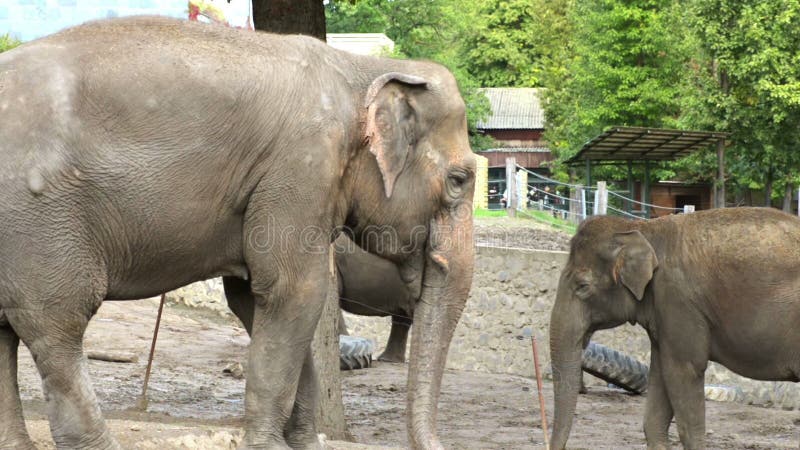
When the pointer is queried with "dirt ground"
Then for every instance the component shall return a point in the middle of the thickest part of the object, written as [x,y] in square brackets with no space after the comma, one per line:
[194,405]
[519,233]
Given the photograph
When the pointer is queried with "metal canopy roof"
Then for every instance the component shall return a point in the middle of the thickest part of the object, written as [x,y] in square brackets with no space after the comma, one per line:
[642,144]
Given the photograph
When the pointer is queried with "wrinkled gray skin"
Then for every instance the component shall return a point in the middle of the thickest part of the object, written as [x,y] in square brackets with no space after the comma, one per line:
[720,285]
[142,154]
[373,286]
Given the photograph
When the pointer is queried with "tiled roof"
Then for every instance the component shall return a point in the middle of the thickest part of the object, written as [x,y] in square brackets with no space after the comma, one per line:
[513,109]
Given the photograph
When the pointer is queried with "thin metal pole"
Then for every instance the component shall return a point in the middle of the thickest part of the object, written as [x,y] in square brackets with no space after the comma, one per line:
[541,395]
[142,403]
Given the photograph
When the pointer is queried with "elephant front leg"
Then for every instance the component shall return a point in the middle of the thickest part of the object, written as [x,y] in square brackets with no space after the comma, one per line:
[285,316]
[658,409]
[396,346]
[13,434]
[684,386]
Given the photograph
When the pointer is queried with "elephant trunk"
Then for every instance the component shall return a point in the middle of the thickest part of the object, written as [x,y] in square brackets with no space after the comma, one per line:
[567,336]
[446,282]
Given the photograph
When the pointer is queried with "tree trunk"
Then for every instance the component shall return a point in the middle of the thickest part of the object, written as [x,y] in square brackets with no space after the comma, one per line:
[290,17]
[787,197]
[330,409]
[308,17]
[768,189]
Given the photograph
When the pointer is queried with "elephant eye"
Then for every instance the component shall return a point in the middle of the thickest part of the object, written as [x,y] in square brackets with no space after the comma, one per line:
[583,289]
[457,180]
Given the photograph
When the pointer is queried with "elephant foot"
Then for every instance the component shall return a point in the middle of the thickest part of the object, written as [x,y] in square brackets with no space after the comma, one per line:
[270,446]
[317,444]
[392,357]
[18,443]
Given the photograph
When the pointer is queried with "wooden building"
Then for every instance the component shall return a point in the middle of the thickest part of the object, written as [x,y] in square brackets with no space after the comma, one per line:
[516,124]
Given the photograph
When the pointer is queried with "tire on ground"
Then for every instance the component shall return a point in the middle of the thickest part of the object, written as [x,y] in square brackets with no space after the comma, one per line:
[615,367]
[354,352]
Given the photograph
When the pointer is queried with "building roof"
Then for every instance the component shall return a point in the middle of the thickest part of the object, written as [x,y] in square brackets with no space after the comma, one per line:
[518,150]
[374,44]
[640,144]
[513,109]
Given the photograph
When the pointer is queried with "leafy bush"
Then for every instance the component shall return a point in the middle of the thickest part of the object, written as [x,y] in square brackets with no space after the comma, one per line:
[7,42]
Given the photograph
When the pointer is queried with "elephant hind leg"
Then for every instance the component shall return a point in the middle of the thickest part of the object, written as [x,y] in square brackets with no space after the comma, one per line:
[54,335]
[300,430]
[396,346]
[13,434]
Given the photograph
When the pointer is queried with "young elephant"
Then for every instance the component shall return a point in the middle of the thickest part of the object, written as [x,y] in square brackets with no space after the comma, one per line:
[720,285]
[205,151]
[372,286]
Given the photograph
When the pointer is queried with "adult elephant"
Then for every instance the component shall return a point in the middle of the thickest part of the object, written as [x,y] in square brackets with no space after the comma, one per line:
[720,285]
[373,286]
[142,154]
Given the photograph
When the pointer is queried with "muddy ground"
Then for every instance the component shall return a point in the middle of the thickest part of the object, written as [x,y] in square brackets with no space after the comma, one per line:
[519,233]
[194,405]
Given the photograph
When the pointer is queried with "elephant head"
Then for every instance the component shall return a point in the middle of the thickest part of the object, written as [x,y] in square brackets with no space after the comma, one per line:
[610,266]
[411,188]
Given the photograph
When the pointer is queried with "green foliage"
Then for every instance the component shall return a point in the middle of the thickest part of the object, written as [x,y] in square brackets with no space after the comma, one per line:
[490,213]
[7,42]
[358,17]
[747,80]
[501,47]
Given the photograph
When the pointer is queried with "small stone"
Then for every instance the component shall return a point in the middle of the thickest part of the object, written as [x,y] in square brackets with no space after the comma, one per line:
[503,276]
[234,370]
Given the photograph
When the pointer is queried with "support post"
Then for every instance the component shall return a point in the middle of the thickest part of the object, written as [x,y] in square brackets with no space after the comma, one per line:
[601,199]
[511,186]
[646,188]
[583,203]
[719,195]
[798,201]
[522,190]
[629,203]
[588,172]
[575,205]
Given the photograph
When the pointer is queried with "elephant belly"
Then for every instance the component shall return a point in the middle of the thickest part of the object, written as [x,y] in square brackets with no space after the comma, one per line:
[778,362]
[172,260]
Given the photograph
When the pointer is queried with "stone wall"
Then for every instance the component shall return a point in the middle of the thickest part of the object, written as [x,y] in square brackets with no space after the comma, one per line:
[512,295]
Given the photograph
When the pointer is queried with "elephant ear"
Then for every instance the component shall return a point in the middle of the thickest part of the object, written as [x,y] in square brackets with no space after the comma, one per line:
[635,261]
[392,126]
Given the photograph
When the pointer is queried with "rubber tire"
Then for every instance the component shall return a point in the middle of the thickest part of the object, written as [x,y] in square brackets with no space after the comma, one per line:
[616,368]
[355,352]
